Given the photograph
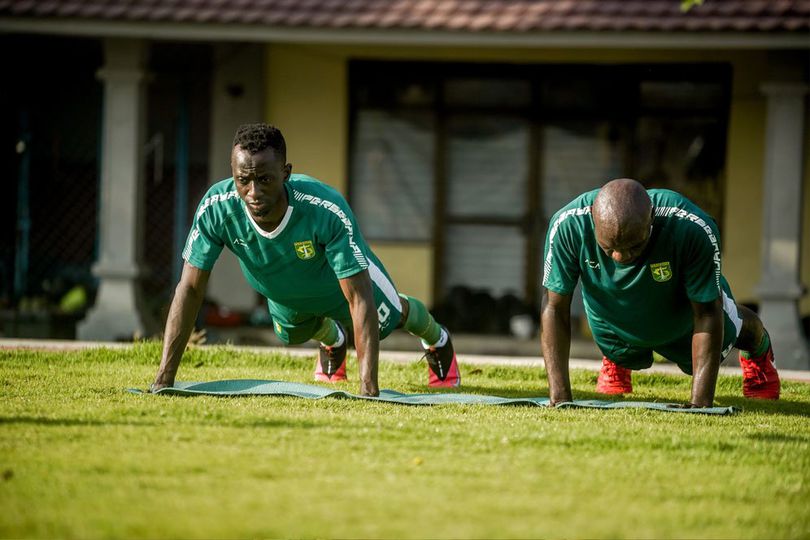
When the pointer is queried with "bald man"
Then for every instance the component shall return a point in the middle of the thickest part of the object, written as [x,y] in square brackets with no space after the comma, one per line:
[650,266]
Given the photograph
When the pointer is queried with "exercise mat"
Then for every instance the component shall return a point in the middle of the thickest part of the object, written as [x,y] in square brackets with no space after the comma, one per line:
[252,387]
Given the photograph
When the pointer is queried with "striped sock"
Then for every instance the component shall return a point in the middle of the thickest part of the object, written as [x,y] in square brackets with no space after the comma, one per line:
[763,346]
[421,323]
[329,333]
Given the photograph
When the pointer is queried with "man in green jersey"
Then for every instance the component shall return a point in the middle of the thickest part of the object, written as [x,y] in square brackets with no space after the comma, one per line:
[650,268]
[298,245]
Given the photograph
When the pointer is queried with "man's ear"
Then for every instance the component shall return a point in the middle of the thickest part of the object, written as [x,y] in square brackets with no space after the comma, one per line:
[287,171]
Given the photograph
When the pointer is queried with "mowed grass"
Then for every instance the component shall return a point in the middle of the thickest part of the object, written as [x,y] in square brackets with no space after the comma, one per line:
[82,458]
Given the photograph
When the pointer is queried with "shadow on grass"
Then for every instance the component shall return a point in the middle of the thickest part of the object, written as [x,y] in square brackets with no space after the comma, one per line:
[63,422]
[540,392]
[475,389]
[239,424]
[782,407]
[778,438]
[779,407]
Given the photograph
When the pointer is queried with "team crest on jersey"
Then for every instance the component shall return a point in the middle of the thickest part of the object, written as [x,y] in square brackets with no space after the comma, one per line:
[661,271]
[305,250]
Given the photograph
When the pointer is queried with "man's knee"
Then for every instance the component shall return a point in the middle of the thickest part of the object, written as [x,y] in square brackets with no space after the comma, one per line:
[294,335]
[406,309]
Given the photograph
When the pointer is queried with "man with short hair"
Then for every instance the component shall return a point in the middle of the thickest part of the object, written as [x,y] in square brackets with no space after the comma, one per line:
[299,246]
[650,267]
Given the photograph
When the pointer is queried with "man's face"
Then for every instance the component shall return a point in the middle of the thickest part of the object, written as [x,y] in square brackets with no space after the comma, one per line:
[625,243]
[260,181]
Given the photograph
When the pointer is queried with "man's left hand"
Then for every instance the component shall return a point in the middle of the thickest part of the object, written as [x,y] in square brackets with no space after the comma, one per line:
[154,387]
[369,389]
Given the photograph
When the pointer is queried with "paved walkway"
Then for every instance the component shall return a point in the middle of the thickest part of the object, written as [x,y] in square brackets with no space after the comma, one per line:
[390,356]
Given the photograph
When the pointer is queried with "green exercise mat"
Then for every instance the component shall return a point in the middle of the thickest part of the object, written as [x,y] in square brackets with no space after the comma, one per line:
[251,387]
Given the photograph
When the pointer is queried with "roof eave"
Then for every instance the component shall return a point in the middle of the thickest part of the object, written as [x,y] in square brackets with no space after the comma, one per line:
[557,39]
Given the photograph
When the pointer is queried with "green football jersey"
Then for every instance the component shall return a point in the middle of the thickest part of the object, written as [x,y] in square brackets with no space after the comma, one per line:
[298,264]
[646,303]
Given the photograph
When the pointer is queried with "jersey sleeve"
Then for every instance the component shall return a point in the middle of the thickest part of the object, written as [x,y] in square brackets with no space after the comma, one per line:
[343,241]
[561,256]
[703,264]
[202,246]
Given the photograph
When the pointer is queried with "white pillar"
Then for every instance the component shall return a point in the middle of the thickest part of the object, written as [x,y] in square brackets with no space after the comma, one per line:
[780,288]
[237,97]
[118,311]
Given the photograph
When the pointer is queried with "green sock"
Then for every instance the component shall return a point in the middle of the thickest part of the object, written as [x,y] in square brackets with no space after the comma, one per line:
[420,322]
[763,346]
[328,333]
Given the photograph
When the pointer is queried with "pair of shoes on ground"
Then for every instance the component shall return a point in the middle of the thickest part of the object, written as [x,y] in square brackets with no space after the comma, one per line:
[443,369]
[760,378]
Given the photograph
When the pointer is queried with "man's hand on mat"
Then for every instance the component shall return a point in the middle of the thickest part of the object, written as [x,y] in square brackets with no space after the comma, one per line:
[369,389]
[688,406]
[557,402]
[155,386]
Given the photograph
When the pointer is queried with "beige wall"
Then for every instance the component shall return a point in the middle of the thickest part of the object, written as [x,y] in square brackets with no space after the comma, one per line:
[410,266]
[307,97]
[743,183]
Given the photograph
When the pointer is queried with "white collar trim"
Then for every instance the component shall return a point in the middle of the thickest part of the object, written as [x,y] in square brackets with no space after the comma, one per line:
[275,232]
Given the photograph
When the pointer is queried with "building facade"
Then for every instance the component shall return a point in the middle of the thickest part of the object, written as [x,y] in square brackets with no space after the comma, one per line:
[455,129]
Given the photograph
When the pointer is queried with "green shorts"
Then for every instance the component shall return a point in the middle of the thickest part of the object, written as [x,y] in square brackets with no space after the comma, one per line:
[294,327]
[678,351]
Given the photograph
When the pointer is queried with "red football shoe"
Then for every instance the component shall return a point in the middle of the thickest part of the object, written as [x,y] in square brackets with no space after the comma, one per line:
[442,365]
[760,378]
[614,379]
[331,363]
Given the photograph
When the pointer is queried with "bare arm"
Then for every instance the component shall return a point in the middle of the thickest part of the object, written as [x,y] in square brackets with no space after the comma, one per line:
[188,297]
[556,339]
[359,293]
[707,343]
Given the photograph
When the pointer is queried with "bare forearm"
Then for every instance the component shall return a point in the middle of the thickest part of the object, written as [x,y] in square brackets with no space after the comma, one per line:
[367,346]
[179,324]
[556,343]
[707,342]
[359,294]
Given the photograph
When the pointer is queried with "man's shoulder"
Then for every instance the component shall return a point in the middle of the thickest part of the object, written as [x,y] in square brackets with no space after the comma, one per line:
[671,204]
[585,200]
[667,198]
[223,186]
[221,198]
[310,192]
[311,186]
[576,213]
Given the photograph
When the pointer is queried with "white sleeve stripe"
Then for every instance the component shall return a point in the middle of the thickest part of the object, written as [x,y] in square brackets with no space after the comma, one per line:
[384,284]
[556,225]
[730,307]
[195,233]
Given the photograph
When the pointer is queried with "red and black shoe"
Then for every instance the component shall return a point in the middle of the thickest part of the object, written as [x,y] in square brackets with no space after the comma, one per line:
[760,378]
[443,369]
[614,379]
[331,363]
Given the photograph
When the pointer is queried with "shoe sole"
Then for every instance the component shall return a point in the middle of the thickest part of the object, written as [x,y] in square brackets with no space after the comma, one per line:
[763,395]
[325,378]
[445,384]
[612,392]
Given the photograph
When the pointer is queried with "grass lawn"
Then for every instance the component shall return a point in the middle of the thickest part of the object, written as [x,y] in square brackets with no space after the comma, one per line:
[82,458]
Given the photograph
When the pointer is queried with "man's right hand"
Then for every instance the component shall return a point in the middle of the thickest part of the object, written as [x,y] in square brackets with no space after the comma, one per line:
[188,298]
[155,387]
[369,389]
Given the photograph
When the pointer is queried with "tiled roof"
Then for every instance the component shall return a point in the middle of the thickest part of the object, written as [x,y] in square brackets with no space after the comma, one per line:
[512,16]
